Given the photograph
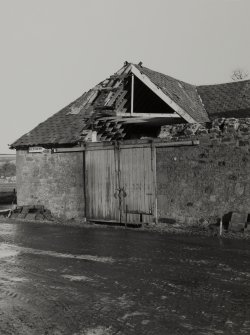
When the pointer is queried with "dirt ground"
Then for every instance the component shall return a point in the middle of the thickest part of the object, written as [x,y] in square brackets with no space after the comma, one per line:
[81,281]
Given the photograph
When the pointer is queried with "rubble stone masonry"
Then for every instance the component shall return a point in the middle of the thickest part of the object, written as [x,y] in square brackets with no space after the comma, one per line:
[52,180]
[194,183]
[207,181]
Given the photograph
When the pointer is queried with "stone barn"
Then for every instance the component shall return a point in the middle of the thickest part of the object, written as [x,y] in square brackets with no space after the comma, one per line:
[141,146]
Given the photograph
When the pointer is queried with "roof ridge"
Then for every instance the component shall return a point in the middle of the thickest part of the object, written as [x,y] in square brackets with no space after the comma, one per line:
[226,83]
[187,83]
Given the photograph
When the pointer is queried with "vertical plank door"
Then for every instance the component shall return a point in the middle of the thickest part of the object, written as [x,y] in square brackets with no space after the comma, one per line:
[101,185]
[120,184]
[137,183]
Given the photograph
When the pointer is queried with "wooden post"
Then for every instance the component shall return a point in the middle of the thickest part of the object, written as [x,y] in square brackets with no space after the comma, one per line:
[153,167]
[132,94]
[117,150]
[85,181]
[221,227]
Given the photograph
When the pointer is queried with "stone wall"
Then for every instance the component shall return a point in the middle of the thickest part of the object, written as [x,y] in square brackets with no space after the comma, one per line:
[194,183]
[207,181]
[54,180]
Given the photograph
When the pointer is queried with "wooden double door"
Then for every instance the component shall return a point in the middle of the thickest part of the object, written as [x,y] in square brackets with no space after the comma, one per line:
[120,184]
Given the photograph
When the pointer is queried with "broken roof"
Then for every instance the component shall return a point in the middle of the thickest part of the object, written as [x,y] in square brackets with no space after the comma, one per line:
[106,108]
[183,94]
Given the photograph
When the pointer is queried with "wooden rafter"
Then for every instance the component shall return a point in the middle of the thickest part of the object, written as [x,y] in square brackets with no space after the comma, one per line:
[132,94]
[151,115]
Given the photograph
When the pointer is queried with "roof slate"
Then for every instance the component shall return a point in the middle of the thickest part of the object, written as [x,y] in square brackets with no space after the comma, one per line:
[70,125]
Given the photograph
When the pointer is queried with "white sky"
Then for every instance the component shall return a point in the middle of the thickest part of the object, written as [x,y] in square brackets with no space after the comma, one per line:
[54,50]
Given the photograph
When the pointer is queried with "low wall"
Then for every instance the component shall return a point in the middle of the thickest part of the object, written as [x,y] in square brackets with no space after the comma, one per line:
[54,180]
[7,193]
[207,181]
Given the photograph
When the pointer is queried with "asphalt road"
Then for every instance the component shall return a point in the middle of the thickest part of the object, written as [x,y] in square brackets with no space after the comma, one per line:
[97,281]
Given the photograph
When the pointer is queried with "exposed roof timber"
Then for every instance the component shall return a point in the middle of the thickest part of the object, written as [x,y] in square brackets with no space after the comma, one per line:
[133,120]
[121,120]
[127,144]
[108,84]
[162,95]
[124,70]
[151,115]
[100,88]
[132,94]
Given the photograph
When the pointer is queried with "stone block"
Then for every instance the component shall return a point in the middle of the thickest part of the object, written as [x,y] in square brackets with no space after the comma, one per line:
[227,140]
[212,198]
[14,215]
[236,227]
[218,122]
[244,127]
[30,216]
[215,130]
[238,221]
[245,130]
[239,189]
[192,128]
[39,216]
[243,143]
[231,124]
[239,217]
[215,141]
[165,132]
[205,140]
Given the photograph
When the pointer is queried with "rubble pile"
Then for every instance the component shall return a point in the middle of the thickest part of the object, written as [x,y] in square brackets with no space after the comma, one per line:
[32,213]
[217,128]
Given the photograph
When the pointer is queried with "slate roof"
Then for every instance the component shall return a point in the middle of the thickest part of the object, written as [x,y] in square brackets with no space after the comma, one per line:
[72,124]
[226,100]
[61,128]
[185,95]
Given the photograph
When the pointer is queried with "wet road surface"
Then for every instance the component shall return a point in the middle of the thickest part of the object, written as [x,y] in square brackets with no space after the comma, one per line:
[78,281]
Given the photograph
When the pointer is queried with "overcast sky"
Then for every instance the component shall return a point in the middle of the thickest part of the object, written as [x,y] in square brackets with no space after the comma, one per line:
[54,50]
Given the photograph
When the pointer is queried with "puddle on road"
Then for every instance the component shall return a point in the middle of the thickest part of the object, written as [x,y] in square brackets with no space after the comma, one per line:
[96,331]
[7,251]
[8,278]
[77,278]
[199,262]
[192,248]
[133,314]
[10,250]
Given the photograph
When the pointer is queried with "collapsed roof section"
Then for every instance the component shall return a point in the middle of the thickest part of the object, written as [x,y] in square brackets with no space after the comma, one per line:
[133,103]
